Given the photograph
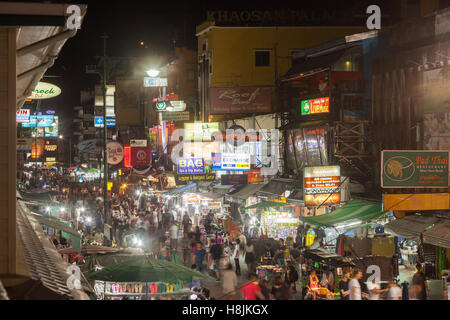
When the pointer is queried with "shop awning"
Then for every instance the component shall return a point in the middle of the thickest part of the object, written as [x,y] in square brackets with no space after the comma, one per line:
[56,223]
[247,191]
[278,186]
[313,64]
[180,189]
[266,204]
[410,227]
[355,210]
[439,235]
[222,189]
[211,195]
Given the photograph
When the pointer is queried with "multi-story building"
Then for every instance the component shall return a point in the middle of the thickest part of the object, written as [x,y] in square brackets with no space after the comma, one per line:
[237,63]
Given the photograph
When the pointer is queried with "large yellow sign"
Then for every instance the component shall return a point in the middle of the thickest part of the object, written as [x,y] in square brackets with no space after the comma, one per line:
[417,201]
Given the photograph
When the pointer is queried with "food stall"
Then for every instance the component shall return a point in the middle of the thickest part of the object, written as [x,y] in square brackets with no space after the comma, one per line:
[321,257]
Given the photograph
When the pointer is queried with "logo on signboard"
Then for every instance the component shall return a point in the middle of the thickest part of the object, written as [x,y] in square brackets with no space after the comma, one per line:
[314,106]
[414,169]
[114,152]
[45,90]
[399,168]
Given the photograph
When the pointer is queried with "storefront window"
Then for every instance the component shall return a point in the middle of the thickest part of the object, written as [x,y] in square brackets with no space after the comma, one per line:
[307,147]
[351,62]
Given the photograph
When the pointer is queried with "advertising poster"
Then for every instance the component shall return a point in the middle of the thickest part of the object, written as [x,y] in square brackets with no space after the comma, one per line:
[322,185]
[23,115]
[307,147]
[436,94]
[52,132]
[437,131]
[241,100]
[199,131]
[414,169]
[190,166]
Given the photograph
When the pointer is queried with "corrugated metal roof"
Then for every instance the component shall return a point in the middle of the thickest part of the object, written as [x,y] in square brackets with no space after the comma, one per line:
[439,234]
[247,191]
[410,227]
[40,261]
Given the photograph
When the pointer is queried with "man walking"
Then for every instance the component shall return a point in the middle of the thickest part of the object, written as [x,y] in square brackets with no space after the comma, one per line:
[354,286]
[216,251]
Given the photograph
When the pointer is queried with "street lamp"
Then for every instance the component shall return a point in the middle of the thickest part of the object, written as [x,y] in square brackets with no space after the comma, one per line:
[153,72]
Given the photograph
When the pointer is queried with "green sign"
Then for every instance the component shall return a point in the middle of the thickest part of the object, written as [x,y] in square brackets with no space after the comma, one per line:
[414,169]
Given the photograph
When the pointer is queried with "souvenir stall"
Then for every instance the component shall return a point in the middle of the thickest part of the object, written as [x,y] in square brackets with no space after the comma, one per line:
[143,278]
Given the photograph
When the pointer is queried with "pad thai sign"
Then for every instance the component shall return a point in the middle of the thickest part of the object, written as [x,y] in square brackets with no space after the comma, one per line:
[240,100]
[414,169]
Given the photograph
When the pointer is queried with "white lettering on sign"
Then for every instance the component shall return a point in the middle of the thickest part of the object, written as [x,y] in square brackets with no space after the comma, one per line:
[239,98]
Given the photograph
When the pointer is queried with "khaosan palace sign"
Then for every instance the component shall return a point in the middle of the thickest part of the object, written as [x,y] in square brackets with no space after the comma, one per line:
[240,100]
[45,90]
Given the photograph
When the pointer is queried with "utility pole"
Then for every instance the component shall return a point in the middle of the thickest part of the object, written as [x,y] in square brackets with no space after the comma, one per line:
[105,141]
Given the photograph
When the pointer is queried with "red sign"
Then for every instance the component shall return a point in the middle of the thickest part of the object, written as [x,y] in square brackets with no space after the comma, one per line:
[141,156]
[241,100]
[127,157]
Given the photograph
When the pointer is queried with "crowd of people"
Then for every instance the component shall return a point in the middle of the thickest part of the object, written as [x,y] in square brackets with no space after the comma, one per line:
[170,234]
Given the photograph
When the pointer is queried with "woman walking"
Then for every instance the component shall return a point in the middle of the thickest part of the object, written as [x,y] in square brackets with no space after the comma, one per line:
[250,258]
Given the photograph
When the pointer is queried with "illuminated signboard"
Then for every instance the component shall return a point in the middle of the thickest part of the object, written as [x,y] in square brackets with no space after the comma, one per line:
[50,147]
[199,131]
[170,106]
[23,115]
[52,132]
[40,121]
[127,157]
[45,90]
[314,106]
[155,82]
[231,161]
[190,166]
[322,185]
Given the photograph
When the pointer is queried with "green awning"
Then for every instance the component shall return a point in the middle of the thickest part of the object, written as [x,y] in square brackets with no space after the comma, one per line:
[355,210]
[266,204]
[56,223]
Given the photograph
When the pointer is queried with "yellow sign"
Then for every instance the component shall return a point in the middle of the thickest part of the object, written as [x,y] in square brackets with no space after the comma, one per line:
[110,185]
[416,201]
[50,147]
[281,200]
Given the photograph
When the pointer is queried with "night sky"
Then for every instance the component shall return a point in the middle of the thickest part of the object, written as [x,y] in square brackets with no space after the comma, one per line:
[157,23]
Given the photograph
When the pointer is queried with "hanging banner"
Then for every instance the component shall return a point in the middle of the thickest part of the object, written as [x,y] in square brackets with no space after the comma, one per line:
[114,153]
[198,131]
[141,156]
[414,169]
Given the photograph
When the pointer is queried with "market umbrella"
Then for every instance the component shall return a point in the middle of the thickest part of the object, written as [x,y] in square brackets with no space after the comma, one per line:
[267,204]
[145,269]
